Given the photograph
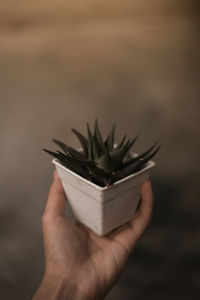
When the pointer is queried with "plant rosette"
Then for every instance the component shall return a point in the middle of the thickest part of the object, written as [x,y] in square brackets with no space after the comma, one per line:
[102,195]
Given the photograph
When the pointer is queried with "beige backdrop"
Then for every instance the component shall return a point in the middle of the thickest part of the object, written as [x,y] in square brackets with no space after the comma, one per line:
[133,62]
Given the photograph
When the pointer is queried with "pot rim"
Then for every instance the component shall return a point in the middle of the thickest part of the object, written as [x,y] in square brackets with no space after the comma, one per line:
[150,164]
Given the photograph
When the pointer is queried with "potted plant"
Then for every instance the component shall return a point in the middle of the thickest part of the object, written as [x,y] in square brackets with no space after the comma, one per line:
[102,180]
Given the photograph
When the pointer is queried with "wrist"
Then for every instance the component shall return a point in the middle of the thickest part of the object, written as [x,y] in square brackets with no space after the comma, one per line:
[58,288]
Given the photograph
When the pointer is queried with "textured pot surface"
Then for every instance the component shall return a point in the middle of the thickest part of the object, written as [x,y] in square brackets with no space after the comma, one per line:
[102,209]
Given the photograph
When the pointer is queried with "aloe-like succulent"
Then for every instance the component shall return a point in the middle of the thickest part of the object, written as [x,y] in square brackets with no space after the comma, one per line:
[102,161]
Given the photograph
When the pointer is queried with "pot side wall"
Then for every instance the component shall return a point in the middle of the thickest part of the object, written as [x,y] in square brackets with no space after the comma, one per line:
[100,209]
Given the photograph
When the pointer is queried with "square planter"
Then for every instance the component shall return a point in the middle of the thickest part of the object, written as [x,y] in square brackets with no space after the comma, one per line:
[102,209]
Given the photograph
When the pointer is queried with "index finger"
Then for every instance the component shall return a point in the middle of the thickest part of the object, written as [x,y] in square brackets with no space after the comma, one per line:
[130,233]
[143,216]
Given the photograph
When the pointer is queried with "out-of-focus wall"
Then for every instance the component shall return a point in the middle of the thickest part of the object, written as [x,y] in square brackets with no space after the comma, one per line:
[133,62]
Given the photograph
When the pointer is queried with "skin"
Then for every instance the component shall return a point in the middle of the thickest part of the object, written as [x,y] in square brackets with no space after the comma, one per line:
[78,263]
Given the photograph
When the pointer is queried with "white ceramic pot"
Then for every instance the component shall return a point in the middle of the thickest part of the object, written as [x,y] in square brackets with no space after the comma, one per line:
[102,209]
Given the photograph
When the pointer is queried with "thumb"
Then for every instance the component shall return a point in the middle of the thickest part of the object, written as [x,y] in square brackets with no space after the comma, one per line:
[56,203]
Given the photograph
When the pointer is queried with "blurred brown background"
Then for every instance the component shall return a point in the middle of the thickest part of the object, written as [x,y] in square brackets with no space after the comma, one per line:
[133,62]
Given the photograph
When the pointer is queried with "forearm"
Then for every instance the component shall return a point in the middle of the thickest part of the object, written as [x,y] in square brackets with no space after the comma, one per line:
[57,288]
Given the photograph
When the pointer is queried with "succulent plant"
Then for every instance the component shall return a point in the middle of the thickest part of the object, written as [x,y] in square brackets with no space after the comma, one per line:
[102,161]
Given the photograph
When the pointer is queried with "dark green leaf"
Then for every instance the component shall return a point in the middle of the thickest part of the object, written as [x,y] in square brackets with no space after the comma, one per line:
[77,154]
[90,144]
[136,158]
[117,154]
[62,145]
[73,164]
[82,139]
[54,154]
[97,174]
[106,164]
[131,169]
[96,150]
[69,150]
[121,143]
[110,139]
[130,144]
[135,167]
[98,137]
[147,158]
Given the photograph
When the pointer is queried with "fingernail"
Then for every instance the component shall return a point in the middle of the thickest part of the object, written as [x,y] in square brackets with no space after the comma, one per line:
[147,184]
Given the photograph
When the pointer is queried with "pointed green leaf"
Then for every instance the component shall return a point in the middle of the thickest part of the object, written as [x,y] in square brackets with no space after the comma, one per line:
[76,154]
[62,145]
[110,139]
[98,137]
[69,150]
[75,165]
[54,154]
[121,143]
[130,144]
[96,150]
[106,164]
[117,154]
[68,158]
[135,167]
[131,169]
[90,144]
[149,157]
[142,155]
[99,177]
[82,139]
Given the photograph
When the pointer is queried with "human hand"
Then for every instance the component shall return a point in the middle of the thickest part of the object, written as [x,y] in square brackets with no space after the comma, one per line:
[78,263]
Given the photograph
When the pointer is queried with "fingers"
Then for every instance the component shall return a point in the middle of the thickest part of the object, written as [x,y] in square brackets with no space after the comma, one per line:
[143,216]
[129,234]
[56,203]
